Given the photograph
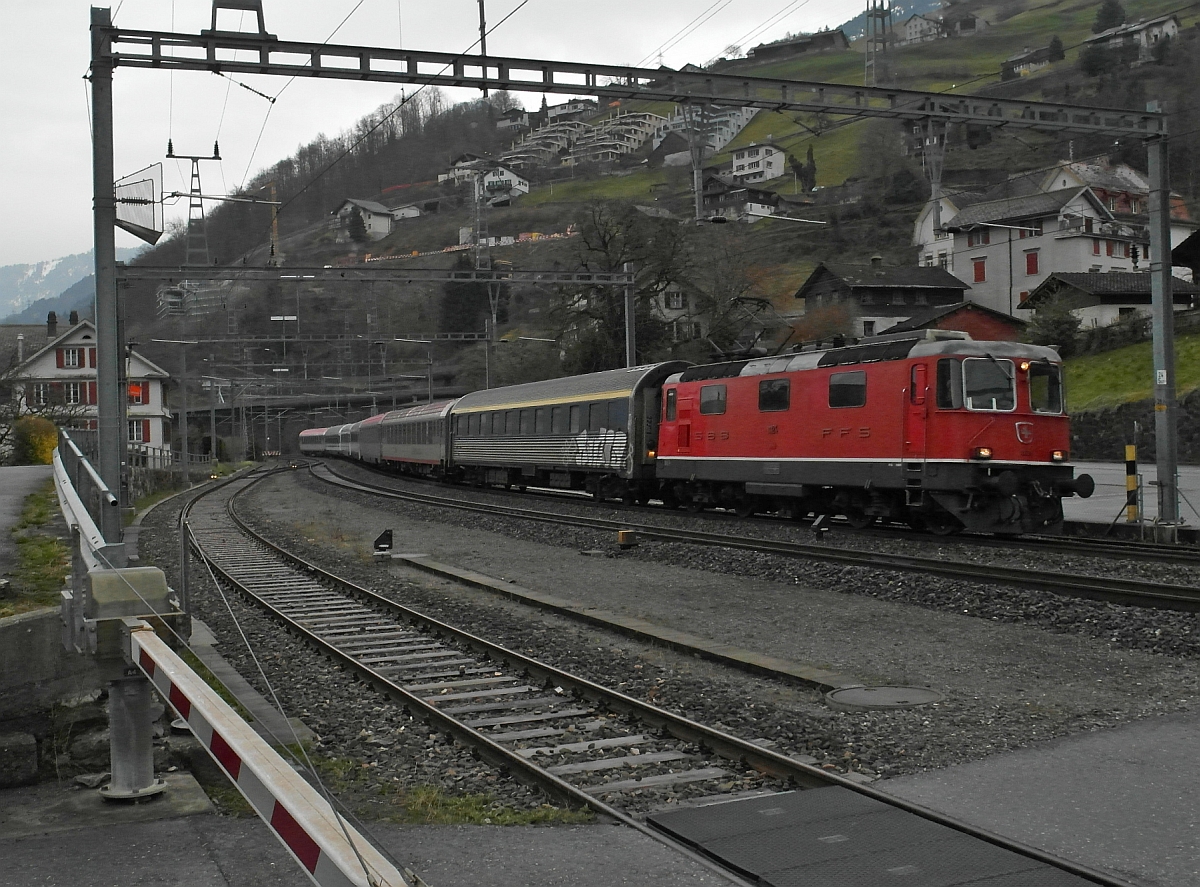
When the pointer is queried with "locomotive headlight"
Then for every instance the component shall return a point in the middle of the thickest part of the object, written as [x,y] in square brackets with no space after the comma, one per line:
[981,453]
[650,454]
[1025,365]
[1058,456]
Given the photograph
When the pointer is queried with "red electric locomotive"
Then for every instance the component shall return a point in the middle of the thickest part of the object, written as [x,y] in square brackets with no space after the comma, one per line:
[937,430]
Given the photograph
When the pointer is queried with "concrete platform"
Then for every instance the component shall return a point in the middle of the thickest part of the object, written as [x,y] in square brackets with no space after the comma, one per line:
[1109,499]
[59,835]
[1121,800]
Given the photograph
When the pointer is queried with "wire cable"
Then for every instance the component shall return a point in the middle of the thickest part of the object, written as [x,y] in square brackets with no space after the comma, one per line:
[388,116]
[663,46]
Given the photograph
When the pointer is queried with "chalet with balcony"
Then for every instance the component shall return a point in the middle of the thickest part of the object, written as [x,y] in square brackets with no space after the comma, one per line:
[55,376]
[881,296]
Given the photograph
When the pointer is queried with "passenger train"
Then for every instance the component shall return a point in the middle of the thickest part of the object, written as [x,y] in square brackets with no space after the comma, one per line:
[932,429]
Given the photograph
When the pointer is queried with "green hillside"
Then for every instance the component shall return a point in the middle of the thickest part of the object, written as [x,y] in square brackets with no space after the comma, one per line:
[1124,375]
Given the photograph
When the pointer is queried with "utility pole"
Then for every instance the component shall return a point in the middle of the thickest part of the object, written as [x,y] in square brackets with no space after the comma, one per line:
[1163,330]
[483,38]
[630,320]
[110,350]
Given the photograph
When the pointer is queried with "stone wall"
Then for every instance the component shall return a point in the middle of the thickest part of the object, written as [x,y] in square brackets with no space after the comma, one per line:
[35,671]
[1101,435]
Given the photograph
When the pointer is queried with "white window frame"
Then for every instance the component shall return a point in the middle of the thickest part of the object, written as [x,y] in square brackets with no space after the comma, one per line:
[73,358]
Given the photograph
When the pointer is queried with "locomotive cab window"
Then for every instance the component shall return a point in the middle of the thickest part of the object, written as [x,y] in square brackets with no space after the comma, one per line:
[989,384]
[670,405]
[1045,388]
[774,395]
[848,389]
[712,400]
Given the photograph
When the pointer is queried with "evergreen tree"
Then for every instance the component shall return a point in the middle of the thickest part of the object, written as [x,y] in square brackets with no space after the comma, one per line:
[1054,324]
[356,227]
[1057,53]
[1110,14]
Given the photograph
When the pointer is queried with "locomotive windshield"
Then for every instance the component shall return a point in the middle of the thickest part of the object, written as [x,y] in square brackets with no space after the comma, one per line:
[989,384]
[1045,388]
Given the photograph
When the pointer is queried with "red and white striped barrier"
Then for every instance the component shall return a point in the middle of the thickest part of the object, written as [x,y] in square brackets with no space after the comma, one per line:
[302,820]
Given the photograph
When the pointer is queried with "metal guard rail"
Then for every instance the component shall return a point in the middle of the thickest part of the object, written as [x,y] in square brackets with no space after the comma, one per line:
[82,495]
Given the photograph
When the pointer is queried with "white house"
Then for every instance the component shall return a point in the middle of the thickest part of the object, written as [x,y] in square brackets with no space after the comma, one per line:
[919,29]
[377,218]
[1145,34]
[568,110]
[407,211]
[499,185]
[60,378]
[1004,248]
[759,163]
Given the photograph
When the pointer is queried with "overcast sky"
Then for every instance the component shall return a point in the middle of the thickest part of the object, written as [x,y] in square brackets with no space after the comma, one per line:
[45,153]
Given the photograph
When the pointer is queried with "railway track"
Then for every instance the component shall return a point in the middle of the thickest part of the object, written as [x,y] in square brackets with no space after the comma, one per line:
[577,741]
[1129,592]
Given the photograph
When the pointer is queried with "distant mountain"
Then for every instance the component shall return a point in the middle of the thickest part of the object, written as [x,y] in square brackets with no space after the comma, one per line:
[79,296]
[22,285]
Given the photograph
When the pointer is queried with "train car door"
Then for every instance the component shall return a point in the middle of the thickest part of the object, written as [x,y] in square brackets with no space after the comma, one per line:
[916,412]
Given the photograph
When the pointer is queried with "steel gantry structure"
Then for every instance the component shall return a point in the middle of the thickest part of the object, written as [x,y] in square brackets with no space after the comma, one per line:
[263,53]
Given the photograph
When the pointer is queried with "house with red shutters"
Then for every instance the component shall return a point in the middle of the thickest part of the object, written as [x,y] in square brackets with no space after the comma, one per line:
[56,375]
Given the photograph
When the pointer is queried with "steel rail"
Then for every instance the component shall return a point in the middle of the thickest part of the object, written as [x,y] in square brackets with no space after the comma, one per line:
[1120,591]
[721,743]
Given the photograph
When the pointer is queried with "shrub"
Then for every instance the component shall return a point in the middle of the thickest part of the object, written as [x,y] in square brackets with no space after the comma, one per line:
[34,440]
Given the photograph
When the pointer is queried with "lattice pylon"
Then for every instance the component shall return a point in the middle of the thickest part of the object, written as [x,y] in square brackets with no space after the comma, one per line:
[197,236]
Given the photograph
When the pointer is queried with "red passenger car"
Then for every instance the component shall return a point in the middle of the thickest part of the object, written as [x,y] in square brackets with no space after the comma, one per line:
[930,428]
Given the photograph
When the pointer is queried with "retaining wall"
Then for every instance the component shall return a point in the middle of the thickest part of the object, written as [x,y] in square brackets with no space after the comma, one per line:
[35,670]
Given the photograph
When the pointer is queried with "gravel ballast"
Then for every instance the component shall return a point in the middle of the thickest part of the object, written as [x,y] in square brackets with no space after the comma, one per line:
[1015,669]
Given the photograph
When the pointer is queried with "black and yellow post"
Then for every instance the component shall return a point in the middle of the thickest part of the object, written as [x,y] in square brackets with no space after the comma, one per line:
[1131,484]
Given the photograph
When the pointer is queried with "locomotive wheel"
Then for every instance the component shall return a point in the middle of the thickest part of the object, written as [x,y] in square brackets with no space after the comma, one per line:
[745,507]
[859,520]
[943,523]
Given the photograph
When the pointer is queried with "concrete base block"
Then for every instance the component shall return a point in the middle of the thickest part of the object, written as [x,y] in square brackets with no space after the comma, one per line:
[18,760]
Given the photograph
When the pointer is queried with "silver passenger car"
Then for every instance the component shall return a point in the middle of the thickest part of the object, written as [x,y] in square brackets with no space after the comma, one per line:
[597,432]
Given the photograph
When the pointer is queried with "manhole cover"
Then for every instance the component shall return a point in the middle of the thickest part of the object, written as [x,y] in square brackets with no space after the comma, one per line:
[859,698]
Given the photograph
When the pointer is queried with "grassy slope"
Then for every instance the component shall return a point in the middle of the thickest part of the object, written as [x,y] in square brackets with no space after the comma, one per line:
[1095,381]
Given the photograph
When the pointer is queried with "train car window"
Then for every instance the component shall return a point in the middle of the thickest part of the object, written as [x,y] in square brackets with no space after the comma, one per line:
[576,419]
[473,425]
[670,405]
[712,400]
[848,389]
[775,395]
[1045,388]
[512,423]
[597,414]
[541,421]
[989,384]
[618,415]
[559,420]
[949,384]
[526,423]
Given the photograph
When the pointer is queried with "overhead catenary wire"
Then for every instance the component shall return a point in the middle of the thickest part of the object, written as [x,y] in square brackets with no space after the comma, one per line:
[682,32]
[399,105]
